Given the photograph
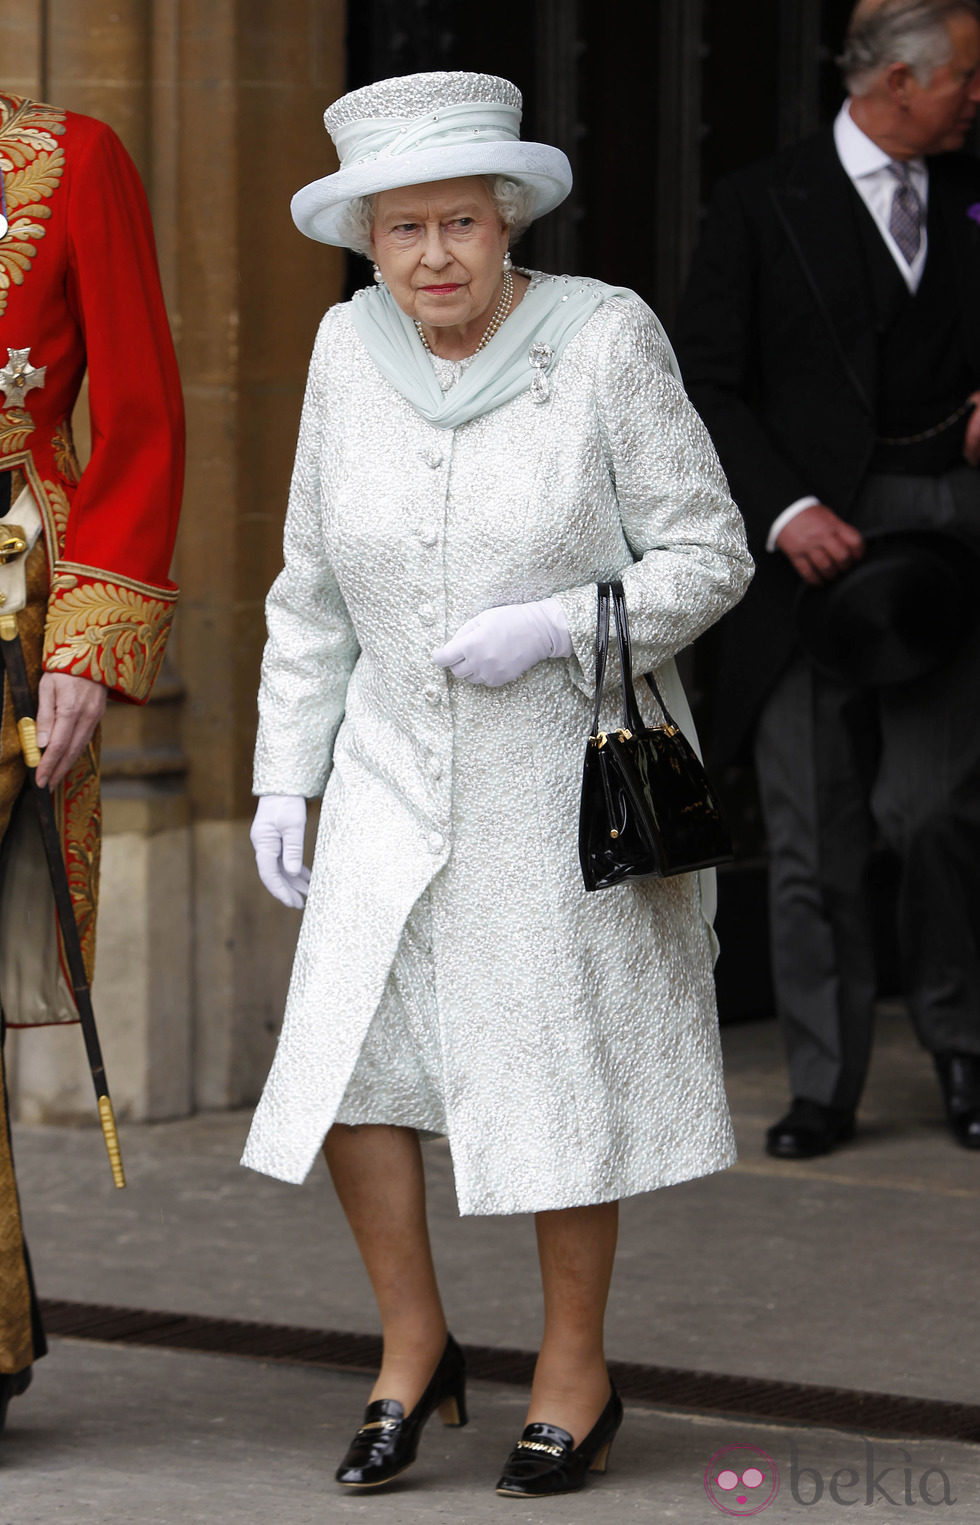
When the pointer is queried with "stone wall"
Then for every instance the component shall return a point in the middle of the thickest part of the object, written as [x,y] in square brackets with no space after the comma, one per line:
[220,104]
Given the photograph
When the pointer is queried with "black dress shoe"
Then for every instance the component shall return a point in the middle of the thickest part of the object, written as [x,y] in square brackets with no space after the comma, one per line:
[546,1460]
[959,1076]
[808,1129]
[11,1386]
[388,1439]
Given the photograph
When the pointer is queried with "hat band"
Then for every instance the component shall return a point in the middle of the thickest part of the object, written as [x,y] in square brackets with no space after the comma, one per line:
[465,122]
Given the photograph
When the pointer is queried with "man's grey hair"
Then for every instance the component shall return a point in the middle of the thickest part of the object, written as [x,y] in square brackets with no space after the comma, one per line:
[912,32]
[513,202]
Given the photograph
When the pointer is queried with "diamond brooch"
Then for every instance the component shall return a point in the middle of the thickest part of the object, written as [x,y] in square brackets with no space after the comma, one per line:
[540,356]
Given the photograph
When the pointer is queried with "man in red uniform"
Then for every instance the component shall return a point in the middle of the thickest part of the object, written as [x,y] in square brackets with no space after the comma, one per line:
[79,288]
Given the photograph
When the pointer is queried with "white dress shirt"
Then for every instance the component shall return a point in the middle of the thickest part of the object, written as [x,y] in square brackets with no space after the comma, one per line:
[867,168]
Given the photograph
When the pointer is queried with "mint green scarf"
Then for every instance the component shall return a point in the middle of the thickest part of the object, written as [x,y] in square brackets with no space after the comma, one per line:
[551,313]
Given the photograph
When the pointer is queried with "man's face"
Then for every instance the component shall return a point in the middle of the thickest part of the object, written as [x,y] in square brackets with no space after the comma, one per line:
[939,115]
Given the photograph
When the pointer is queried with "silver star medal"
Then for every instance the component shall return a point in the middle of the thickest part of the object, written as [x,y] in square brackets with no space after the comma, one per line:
[18,375]
[539,357]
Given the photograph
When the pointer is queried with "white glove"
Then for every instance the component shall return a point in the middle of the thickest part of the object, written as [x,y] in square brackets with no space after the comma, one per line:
[277,836]
[498,645]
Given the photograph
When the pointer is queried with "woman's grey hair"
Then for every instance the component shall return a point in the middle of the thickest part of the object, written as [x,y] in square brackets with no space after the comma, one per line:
[513,202]
[912,32]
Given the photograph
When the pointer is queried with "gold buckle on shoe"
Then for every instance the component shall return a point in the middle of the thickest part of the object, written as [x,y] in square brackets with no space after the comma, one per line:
[539,1445]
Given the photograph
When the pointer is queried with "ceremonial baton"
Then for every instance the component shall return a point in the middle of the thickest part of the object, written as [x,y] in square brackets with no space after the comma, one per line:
[26,713]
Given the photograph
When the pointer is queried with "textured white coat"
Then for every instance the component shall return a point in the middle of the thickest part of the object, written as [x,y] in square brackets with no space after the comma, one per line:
[577,1032]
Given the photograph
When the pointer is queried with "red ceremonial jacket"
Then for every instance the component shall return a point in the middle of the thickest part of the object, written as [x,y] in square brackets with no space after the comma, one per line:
[79,288]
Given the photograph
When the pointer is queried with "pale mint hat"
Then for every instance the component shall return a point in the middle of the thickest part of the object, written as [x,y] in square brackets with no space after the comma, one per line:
[423,127]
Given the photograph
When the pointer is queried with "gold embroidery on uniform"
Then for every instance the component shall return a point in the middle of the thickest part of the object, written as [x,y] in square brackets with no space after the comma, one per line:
[16,1346]
[118,580]
[16,428]
[108,632]
[60,506]
[82,839]
[65,459]
[32,162]
[36,181]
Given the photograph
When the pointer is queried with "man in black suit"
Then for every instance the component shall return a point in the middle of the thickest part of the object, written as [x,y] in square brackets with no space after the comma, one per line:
[830,338]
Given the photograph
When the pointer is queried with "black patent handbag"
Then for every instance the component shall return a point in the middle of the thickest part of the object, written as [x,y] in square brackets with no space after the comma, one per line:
[647,806]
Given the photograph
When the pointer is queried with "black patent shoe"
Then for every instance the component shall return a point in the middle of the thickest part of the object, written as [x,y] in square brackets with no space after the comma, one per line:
[547,1461]
[808,1129]
[959,1076]
[388,1439]
[11,1386]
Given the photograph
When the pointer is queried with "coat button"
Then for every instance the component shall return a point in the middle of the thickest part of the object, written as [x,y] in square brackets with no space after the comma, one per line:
[428,536]
[433,458]
[435,768]
[436,841]
[427,614]
[432,694]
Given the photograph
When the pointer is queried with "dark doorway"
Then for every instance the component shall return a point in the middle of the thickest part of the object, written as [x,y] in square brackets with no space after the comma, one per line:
[652,103]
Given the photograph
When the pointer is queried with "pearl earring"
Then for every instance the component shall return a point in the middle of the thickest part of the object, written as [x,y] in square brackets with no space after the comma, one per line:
[508,263]
[378,276]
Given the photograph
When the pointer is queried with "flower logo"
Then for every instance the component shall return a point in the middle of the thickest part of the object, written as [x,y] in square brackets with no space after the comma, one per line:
[741,1480]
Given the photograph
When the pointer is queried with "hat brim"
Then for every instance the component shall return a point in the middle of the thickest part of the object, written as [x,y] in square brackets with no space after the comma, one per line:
[897,614]
[318,208]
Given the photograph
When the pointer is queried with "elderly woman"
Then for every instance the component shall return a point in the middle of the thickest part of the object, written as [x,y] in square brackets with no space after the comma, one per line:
[478,446]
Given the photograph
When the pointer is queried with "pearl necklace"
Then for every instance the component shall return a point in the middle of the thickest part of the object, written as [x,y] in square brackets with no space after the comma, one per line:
[501,311]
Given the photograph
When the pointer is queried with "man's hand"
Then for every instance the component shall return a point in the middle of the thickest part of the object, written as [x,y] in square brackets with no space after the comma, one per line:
[971,445]
[819,544]
[68,711]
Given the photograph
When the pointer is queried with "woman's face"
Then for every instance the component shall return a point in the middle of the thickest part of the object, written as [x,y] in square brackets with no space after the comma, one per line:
[440,249]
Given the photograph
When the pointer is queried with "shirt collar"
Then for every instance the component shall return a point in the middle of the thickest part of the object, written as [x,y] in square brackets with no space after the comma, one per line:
[858,153]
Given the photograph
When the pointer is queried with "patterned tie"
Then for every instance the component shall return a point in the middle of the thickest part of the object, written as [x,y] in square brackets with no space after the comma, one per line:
[905,222]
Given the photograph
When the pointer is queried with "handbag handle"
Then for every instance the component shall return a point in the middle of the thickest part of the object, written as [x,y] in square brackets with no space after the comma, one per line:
[632,719]
[601,649]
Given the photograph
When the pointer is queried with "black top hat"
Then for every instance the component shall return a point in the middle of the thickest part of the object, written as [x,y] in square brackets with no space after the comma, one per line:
[896,614]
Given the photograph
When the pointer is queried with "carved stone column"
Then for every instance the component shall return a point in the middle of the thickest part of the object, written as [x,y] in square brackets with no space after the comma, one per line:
[22,47]
[254,78]
[220,102]
[96,57]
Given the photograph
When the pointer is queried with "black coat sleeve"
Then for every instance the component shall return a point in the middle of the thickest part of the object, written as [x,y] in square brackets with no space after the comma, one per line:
[722,349]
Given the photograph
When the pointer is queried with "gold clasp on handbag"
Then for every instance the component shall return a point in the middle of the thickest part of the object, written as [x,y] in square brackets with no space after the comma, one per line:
[13,543]
[599,741]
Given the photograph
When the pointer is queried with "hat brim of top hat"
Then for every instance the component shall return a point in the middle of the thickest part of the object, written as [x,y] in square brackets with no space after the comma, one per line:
[898,613]
[319,207]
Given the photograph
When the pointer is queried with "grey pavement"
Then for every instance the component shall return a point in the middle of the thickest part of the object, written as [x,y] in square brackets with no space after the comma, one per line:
[857,1271]
[158,1437]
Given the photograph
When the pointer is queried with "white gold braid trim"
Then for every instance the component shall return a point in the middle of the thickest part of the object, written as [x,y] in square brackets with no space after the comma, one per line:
[411,95]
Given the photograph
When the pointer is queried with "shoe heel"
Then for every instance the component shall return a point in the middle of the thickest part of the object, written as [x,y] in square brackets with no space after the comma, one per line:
[452,1410]
[601,1459]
